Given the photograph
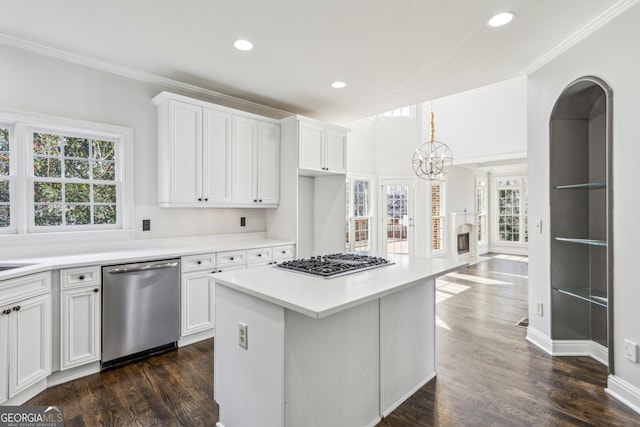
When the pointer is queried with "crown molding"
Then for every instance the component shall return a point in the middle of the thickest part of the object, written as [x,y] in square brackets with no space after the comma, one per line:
[590,27]
[142,76]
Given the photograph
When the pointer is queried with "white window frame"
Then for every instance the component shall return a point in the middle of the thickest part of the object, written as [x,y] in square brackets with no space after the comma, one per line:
[442,217]
[523,215]
[351,218]
[406,112]
[13,162]
[22,198]
[482,211]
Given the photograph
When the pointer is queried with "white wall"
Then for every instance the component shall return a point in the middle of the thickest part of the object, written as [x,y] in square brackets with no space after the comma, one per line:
[361,147]
[461,190]
[611,54]
[39,84]
[487,123]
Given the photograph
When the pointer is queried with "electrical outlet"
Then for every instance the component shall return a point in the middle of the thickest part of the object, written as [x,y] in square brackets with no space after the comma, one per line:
[539,309]
[631,350]
[243,338]
[146,225]
[243,221]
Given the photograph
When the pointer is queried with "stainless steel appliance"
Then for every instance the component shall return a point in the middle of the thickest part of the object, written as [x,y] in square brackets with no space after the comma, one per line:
[333,265]
[140,310]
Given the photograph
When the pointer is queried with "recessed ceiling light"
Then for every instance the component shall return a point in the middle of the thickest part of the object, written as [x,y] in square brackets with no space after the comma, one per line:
[501,19]
[243,45]
[338,84]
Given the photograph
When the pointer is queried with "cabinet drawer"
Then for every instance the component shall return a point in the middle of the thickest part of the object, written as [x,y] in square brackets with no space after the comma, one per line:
[81,276]
[283,253]
[198,262]
[13,290]
[228,259]
[258,256]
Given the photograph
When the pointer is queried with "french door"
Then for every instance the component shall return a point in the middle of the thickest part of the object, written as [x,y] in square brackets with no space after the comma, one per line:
[397,218]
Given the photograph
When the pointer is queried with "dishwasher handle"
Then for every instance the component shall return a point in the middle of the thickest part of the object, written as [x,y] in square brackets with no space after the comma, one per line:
[143,268]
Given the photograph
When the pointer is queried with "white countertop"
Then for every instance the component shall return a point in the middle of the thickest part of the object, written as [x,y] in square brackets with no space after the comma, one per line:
[139,250]
[319,297]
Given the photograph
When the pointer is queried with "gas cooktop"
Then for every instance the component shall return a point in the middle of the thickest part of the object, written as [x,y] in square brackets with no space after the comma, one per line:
[333,265]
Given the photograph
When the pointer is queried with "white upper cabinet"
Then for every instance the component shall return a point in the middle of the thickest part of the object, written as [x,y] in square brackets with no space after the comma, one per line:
[322,148]
[208,159]
[256,162]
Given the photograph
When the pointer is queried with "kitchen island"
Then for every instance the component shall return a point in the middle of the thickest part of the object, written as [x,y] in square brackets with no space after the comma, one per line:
[298,350]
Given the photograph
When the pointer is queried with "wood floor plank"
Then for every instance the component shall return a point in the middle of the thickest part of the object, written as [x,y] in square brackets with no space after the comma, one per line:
[488,374]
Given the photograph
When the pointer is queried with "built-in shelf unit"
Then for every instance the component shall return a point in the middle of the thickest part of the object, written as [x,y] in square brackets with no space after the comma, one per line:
[580,218]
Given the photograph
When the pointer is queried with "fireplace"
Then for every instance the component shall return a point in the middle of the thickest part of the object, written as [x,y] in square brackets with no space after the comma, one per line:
[463,243]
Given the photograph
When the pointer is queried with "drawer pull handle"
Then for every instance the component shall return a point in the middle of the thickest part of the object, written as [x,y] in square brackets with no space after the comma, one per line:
[199,262]
[96,290]
[81,277]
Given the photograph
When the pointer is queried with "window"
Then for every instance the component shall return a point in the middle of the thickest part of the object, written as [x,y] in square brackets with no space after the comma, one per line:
[481,208]
[71,179]
[512,209]
[74,181]
[358,215]
[437,217]
[5,180]
[406,112]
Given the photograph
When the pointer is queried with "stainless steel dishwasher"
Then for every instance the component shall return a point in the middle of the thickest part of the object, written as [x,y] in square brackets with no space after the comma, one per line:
[140,310]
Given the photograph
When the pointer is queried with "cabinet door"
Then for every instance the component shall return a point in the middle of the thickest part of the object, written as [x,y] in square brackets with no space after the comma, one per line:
[244,137]
[80,327]
[311,146]
[336,152]
[268,162]
[185,152]
[29,343]
[216,155]
[4,354]
[197,302]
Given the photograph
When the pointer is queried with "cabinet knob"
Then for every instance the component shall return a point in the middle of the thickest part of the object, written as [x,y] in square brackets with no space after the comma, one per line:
[16,308]
[199,262]
[284,252]
[81,277]
[206,199]
[260,200]
[259,255]
[96,290]
[213,272]
[199,199]
[7,311]
[255,201]
[230,258]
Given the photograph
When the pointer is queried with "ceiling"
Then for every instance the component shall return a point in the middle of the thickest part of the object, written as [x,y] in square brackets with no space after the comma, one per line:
[391,53]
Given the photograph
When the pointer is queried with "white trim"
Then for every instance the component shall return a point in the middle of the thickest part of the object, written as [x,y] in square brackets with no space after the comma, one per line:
[61,377]
[186,340]
[590,27]
[22,212]
[624,391]
[540,340]
[568,347]
[135,74]
[407,395]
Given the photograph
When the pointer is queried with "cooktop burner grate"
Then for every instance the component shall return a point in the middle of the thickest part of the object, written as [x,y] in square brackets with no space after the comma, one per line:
[334,264]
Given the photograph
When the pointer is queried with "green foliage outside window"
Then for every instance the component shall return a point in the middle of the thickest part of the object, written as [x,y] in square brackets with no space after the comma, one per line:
[77,184]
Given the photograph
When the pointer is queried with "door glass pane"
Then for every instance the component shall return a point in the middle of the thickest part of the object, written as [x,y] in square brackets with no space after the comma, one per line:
[397,219]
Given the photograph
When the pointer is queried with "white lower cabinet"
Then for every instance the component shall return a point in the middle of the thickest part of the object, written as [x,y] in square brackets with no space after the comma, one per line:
[25,333]
[80,316]
[80,326]
[197,302]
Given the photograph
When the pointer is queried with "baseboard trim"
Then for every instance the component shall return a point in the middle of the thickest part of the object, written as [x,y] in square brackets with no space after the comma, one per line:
[26,394]
[568,347]
[61,377]
[197,337]
[540,340]
[623,391]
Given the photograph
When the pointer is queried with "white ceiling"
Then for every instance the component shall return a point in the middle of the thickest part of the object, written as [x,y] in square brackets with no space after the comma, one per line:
[390,52]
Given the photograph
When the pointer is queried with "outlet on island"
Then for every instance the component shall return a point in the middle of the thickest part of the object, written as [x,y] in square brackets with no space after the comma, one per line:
[243,221]
[146,225]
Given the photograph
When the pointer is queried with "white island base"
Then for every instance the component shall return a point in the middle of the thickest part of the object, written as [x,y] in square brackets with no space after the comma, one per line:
[339,352]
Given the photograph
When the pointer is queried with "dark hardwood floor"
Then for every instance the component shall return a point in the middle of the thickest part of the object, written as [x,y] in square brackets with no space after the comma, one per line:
[488,374]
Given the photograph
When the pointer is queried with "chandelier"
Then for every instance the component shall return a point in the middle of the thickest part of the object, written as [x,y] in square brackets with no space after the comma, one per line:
[432,160]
